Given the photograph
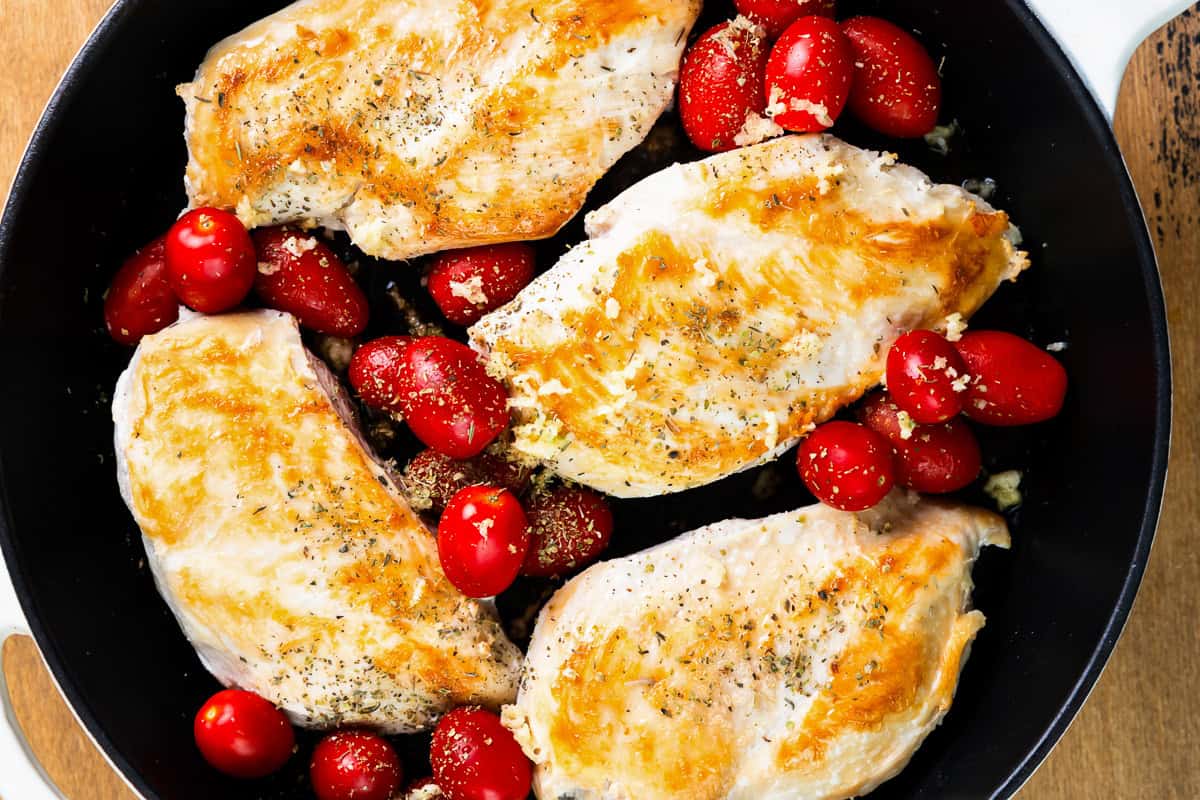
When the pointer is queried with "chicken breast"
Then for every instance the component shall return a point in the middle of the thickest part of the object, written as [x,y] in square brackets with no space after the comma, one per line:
[286,552]
[723,308]
[805,655]
[424,125]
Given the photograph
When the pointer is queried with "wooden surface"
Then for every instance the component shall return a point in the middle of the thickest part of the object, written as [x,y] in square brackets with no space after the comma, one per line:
[1139,734]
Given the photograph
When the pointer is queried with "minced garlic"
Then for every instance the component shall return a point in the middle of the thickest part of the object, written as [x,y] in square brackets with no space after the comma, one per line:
[756,129]
[955,327]
[470,290]
[298,246]
[1004,489]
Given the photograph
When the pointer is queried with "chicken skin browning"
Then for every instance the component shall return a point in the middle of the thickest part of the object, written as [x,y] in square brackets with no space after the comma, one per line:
[805,655]
[426,125]
[290,559]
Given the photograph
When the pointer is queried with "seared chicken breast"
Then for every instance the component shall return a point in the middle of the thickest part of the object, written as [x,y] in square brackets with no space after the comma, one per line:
[425,125]
[805,655]
[286,552]
[723,308]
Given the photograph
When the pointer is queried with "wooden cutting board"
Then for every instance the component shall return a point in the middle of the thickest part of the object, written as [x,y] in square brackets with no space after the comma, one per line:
[1139,734]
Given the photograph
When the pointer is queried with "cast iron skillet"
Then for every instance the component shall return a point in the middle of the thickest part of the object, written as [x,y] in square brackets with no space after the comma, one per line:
[102,177]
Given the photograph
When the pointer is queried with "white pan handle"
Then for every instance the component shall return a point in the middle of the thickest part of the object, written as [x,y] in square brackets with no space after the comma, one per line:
[21,776]
[1101,35]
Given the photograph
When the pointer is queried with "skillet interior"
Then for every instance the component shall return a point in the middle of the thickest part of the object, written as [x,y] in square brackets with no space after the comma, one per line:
[102,177]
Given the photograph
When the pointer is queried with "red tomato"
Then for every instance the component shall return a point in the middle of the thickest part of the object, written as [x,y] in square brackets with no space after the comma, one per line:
[808,75]
[897,90]
[483,537]
[846,466]
[466,284]
[299,274]
[569,528]
[926,376]
[435,478]
[210,260]
[721,85]
[474,757]
[243,735]
[934,459]
[1013,382]
[140,300]
[354,765]
[375,371]
[939,458]
[448,399]
[776,15]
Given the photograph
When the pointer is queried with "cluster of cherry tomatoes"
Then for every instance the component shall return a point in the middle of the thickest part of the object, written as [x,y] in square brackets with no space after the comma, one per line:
[494,525]
[486,537]
[787,62]
[912,434]
[210,263]
[474,757]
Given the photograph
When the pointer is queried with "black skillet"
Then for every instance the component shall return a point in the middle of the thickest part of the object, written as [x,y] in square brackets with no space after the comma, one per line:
[102,176]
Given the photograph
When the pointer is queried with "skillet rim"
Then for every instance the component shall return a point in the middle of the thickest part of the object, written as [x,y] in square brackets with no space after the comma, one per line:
[49,122]
[124,10]
[1096,120]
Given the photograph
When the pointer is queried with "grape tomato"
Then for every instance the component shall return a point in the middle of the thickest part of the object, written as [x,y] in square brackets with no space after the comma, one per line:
[483,537]
[776,15]
[721,85]
[354,765]
[926,376]
[475,757]
[140,300]
[1013,381]
[211,261]
[466,284]
[846,466]
[809,73]
[299,274]
[897,89]
[569,528]
[242,735]
[448,399]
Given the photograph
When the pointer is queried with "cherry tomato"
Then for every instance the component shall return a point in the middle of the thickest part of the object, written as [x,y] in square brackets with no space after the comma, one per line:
[299,274]
[569,528]
[1013,382]
[933,459]
[354,765]
[243,735]
[210,260]
[897,90]
[846,466]
[939,458]
[926,377]
[448,399]
[808,75]
[466,284]
[777,15]
[721,85]
[474,757]
[140,300]
[483,537]
[375,371]
[433,478]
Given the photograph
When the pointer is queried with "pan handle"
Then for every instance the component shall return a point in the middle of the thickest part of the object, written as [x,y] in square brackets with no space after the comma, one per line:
[1100,36]
[21,776]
